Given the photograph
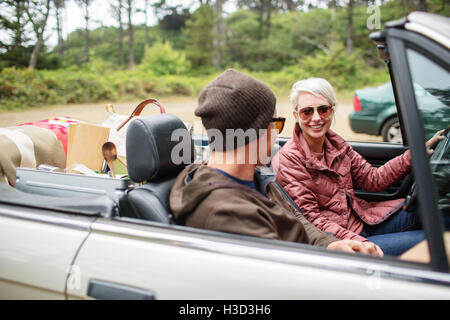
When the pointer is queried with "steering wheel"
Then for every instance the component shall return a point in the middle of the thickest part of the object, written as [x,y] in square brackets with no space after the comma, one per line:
[440,151]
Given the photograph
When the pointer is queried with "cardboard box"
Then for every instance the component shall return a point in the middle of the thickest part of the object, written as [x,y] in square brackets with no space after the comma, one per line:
[84,145]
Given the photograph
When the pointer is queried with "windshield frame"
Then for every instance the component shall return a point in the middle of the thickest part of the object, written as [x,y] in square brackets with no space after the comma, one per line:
[397,42]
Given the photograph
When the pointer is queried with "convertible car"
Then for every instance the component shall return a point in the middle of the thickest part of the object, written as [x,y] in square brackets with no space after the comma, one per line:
[78,237]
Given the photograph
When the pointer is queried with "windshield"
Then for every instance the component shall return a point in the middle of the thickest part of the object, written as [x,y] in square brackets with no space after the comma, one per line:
[432,92]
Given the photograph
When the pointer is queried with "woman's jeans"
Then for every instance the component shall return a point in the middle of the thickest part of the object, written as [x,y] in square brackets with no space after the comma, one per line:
[396,234]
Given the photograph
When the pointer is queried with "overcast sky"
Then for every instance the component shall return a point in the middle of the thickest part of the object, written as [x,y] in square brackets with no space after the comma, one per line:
[100,11]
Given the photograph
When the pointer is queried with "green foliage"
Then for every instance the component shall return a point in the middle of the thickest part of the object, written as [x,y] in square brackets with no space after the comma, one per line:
[162,59]
[18,87]
[243,46]
[342,70]
[24,88]
[104,44]
[198,33]
[292,35]
[174,21]
[308,30]
[20,57]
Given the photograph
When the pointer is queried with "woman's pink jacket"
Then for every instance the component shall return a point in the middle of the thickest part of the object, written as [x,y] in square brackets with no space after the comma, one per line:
[325,194]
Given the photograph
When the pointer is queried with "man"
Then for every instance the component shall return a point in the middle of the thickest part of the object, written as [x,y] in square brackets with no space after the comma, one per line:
[239,115]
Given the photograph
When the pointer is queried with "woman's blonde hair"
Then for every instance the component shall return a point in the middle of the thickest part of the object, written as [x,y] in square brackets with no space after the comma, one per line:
[315,86]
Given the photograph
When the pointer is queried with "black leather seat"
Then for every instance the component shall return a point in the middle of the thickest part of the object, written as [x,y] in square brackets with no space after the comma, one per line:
[149,148]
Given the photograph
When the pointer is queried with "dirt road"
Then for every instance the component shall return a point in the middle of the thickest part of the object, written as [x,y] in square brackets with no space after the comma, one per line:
[183,107]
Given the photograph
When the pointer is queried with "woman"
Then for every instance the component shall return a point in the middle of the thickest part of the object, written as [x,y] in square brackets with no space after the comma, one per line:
[320,170]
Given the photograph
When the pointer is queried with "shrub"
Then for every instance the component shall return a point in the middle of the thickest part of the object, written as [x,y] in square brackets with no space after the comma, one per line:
[162,59]
[344,71]
[25,88]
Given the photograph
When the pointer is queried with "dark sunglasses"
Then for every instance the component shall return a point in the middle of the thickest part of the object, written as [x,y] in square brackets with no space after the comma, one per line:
[307,112]
[279,123]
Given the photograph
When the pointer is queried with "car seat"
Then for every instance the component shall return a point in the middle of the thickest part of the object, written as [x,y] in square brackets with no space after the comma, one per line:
[149,147]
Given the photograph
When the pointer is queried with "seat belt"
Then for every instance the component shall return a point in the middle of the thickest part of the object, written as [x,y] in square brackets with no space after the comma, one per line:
[287,196]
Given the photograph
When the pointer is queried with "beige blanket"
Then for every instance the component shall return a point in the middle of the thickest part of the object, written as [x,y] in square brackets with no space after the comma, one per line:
[28,146]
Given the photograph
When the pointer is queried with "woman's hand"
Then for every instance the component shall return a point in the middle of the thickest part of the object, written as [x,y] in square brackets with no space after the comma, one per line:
[435,139]
[352,246]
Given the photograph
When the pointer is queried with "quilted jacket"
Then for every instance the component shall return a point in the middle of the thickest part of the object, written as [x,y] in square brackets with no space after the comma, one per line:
[325,193]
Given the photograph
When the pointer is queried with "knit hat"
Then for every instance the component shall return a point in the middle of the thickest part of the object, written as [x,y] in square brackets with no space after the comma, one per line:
[235,100]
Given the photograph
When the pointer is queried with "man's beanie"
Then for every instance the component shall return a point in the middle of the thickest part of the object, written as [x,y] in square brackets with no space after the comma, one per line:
[235,100]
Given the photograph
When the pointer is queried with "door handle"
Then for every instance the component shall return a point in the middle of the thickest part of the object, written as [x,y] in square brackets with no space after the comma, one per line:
[112,291]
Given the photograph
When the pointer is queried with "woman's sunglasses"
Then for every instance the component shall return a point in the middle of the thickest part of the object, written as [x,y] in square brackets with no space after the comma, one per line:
[307,112]
[279,123]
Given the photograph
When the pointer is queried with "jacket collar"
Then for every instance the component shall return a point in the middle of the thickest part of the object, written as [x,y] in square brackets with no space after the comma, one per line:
[334,147]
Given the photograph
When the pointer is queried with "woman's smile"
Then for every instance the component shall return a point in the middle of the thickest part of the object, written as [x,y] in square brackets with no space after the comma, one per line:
[317,127]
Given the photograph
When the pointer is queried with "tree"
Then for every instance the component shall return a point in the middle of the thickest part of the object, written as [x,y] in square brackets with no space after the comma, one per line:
[12,20]
[59,6]
[291,5]
[13,23]
[350,26]
[174,20]
[121,36]
[198,33]
[171,17]
[19,44]
[130,34]
[37,13]
[219,33]
[264,8]
[146,6]
[86,4]
[117,13]
[420,5]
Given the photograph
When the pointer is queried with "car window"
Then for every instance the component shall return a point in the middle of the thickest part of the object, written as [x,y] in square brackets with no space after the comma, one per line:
[434,109]
[372,117]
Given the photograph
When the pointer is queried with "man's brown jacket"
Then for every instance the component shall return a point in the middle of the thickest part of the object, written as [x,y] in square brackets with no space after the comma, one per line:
[204,198]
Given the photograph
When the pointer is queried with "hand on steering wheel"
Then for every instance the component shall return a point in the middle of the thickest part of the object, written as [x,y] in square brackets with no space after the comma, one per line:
[438,136]
[436,139]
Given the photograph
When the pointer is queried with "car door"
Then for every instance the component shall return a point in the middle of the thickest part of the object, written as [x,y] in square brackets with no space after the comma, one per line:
[37,247]
[126,258]
[377,154]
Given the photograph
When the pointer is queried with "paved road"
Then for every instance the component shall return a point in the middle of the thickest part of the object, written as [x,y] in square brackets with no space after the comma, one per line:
[183,107]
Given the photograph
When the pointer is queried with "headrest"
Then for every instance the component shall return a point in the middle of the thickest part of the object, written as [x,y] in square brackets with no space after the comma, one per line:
[158,146]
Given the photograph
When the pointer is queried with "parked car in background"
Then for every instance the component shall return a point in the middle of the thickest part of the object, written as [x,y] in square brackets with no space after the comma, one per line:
[375,112]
